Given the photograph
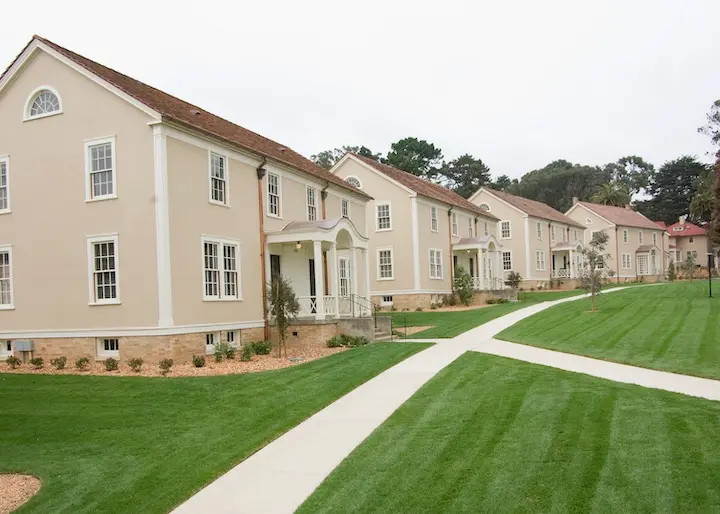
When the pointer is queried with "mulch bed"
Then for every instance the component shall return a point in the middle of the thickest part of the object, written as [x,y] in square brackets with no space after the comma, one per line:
[15,490]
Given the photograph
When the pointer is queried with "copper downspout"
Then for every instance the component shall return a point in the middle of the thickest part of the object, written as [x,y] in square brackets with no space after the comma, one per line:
[550,254]
[617,254]
[263,240]
[452,261]
[323,196]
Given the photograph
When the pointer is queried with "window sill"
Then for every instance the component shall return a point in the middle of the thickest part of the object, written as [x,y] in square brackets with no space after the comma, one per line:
[385,279]
[219,204]
[5,211]
[101,198]
[10,307]
[41,116]
[211,299]
[100,304]
[437,278]
[108,355]
[275,216]
[383,230]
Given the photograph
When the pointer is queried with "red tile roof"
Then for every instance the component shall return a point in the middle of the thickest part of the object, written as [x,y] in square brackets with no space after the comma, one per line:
[534,208]
[175,110]
[621,216]
[661,224]
[424,187]
[688,229]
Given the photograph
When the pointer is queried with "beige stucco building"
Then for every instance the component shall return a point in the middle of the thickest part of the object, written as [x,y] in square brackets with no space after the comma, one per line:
[538,242]
[419,233]
[686,238]
[636,245]
[165,221]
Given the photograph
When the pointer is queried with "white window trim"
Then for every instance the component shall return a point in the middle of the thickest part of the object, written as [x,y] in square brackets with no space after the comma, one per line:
[31,99]
[471,227]
[539,230]
[435,219]
[210,348]
[626,236]
[3,348]
[485,207]
[641,238]
[220,241]
[11,305]
[552,232]
[437,254]
[454,223]
[88,164]
[307,202]
[226,169]
[544,263]
[359,186]
[91,241]
[346,202]
[279,195]
[100,347]
[392,263]
[502,267]
[6,159]
[377,218]
[509,229]
[629,261]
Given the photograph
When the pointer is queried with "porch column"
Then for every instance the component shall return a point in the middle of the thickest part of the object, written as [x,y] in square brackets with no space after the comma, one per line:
[482,270]
[366,258]
[319,285]
[354,289]
[572,265]
[334,278]
[500,273]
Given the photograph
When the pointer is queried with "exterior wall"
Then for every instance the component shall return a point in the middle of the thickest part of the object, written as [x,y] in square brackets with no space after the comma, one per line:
[439,240]
[358,210]
[50,218]
[193,216]
[399,239]
[700,244]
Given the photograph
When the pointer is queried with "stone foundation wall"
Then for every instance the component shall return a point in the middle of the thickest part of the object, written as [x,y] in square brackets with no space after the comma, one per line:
[308,334]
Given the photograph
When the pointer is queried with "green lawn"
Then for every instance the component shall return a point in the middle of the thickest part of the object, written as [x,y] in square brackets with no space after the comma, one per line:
[494,435]
[106,444]
[672,327]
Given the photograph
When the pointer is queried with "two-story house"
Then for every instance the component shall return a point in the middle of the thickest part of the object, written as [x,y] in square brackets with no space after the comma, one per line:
[538,242]
[163,222]
[419,233]
[636,244]
[686,239]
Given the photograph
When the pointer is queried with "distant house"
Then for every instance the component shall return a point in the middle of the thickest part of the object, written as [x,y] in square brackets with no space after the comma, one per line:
[636,245]
[537,241]
[686,238]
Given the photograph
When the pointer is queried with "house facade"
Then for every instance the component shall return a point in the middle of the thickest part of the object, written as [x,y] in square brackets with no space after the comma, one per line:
[419,233]
[165,221]
[636,245]
[686,239]
[538,242]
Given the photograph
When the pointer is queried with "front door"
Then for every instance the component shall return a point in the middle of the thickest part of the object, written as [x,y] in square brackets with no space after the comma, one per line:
[274,266]
[472,267]
[313,297]
[344,271]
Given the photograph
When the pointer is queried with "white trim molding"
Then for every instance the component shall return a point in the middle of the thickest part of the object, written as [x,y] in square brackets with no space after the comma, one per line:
[91,242]
[379,204]
[221,243]
[88,144]
[5,159]
[347,156]
[225,179]
[415,241]
[410,291]
[9,306]
[31,99]
[392,263]
[162,228]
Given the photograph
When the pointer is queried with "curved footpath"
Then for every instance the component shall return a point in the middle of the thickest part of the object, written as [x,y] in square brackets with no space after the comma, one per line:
[281,476]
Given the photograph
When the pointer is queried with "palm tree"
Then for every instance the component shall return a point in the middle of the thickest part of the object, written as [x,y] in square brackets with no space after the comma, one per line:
[612,193]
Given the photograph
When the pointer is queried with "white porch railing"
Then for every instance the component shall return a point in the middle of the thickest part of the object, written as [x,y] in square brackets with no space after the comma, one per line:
[562,273]
[348,306]
[488,283]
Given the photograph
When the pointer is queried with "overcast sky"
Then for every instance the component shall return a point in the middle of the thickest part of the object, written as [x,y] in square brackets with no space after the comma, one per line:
[516,83]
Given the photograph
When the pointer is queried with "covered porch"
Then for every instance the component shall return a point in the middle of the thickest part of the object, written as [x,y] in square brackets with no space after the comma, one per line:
[327,263]
[647,260]
[566,260]
[482,257]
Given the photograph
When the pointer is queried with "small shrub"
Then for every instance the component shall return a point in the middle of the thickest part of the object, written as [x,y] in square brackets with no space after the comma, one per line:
[451,300]
[348,341]
[82,363]
[419,309]
[491,301]
[37,362]
[230,352]
[463,285]
[354,342]
[532,289]
[110,364]
[335,342]
[261,347]
[198,361]
[393,308]
[220,352]
[165,366]
[59,363]
[502,300]
[433,306]
[246,353]
[12,361]
[135,364]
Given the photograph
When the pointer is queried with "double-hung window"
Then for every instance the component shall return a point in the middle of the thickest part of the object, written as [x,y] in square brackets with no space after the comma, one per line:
[104,269]
[311,194]
[654,236]
[539,230]
[433,219]
[211,339]
[626,261]
[552,232]
[384,217]
[221,269]
[344,208]
[540,260]
[575,235]
[100,169]
[505,230]
[625,236]
[385,264]
[6,286]
[218,179]
[435,259]
[470,227]
[108,347]
[485,228]
[273,193]
[454,224]
[507,261]
[641,237]
[4,185]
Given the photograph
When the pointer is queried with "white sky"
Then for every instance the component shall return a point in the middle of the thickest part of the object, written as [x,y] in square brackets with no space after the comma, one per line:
[517,83]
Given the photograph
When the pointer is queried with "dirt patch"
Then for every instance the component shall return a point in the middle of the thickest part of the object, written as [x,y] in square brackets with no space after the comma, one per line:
[413,330]
[296,355]
[15,490]
[459,308]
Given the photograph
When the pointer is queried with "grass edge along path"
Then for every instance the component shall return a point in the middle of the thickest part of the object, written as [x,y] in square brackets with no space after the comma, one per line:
[490,434]
[115,444]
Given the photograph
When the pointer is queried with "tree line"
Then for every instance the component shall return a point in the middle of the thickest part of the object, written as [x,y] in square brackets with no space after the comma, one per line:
[683,186]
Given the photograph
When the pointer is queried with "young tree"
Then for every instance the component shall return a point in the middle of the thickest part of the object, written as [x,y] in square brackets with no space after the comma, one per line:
[283,306]
[712,130]
[514,280]
[595,260]
[671,272]
[690,266]
[463,285]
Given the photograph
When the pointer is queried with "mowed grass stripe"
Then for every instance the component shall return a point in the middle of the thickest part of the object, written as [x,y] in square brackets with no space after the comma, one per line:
[490,434]
[671,327]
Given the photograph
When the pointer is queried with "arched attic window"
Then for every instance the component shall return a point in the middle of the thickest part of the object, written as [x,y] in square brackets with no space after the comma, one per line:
[485,207]
[44,101]
[354,181]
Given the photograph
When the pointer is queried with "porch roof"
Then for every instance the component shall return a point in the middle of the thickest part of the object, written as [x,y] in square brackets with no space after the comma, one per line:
[469,243]
[318,230]
[563,246]
[646,248]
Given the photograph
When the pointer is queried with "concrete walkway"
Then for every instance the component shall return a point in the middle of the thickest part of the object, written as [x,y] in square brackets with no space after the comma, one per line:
[279,477]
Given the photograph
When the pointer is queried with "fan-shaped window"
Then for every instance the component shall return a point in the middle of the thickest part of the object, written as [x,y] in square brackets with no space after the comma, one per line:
[42,102]
[485,207]
[354,181]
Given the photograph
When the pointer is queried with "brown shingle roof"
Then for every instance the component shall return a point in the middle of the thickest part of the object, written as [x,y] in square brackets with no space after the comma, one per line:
[621,216]
[424,187]
[175,110]
[534,208]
